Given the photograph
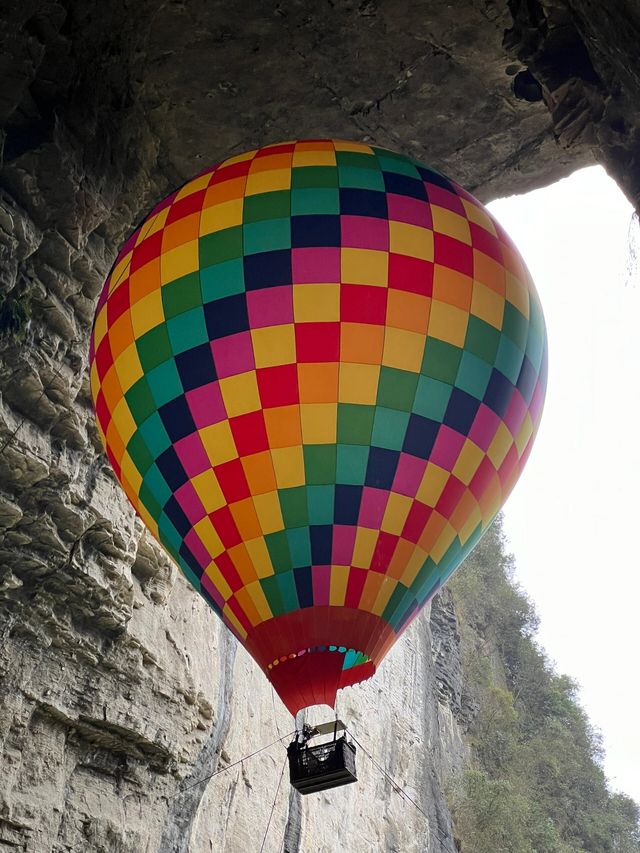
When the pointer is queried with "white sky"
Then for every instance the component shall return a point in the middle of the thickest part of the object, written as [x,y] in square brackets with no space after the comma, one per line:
[573,517]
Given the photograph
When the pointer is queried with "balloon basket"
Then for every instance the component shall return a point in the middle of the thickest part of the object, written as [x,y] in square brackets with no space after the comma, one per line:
[321,766]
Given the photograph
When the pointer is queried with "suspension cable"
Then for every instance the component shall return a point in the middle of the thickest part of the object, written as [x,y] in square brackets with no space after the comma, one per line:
[273,805]
[230,766]
[403,793]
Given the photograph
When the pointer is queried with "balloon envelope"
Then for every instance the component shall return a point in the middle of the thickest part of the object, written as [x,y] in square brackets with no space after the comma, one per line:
[318,369]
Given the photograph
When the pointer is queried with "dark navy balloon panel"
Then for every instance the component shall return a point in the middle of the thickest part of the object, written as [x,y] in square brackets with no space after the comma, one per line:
[318,369]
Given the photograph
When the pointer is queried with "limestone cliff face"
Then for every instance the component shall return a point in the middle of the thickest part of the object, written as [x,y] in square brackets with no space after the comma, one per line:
[118,687]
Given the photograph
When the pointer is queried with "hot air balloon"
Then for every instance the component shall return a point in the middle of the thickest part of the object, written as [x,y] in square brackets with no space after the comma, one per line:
[318,369]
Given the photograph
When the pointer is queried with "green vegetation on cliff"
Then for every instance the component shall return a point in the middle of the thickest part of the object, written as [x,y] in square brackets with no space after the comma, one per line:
[537,785]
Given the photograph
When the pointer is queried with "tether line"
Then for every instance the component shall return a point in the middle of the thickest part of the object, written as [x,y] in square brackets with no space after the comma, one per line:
[230,766]
[401,791]
[273,805]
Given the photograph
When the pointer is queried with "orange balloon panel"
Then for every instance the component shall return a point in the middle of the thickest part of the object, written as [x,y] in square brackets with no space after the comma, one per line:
[318,369]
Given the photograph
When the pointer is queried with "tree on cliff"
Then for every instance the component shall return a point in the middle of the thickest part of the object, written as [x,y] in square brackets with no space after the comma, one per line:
[537,783]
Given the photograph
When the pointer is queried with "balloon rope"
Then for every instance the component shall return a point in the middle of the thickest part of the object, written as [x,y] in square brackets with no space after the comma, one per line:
[234,764]
[405,796]
[273,704]
[273,805]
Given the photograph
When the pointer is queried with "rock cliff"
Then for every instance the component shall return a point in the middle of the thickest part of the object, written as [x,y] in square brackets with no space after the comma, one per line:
[118,688]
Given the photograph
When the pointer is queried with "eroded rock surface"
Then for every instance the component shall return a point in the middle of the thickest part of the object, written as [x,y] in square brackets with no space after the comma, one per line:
[118,687]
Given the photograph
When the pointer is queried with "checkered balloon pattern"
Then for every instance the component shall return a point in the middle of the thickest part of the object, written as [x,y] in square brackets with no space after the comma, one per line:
[318,369]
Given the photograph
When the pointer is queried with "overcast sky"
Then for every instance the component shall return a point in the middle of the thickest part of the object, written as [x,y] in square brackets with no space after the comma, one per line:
[574,517]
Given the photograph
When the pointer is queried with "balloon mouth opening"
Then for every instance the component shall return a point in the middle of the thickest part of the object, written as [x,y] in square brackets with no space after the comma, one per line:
[310,654]
[314,675]
[352,657]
